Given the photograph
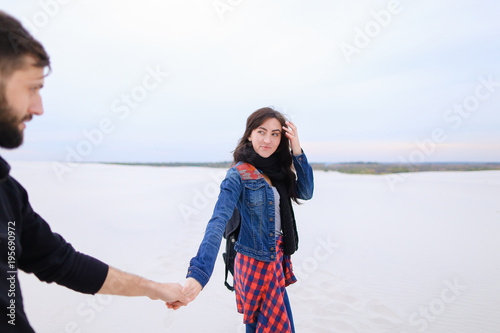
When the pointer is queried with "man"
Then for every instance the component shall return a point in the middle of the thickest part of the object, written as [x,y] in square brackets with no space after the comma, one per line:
[26,240]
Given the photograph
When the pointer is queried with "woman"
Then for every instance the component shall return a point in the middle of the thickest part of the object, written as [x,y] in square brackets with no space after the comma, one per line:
[261,184]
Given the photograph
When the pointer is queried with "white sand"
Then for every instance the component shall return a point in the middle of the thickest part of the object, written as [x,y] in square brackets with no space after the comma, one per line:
[422,258]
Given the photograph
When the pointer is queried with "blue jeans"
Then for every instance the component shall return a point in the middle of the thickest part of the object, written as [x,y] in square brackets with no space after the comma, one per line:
[251,328]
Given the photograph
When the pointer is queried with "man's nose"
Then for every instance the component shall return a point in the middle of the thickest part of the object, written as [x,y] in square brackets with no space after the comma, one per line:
[36,105]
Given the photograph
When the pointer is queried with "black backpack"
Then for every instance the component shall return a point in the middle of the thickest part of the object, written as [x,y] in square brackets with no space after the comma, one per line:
[231,235]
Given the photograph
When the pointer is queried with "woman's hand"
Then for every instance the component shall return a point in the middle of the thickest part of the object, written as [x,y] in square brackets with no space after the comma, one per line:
[191,288]
[291,134]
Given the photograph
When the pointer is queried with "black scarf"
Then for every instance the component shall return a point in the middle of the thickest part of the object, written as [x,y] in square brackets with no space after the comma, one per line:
[271,167]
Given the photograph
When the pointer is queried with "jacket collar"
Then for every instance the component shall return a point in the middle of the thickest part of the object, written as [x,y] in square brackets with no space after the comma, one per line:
[4,169]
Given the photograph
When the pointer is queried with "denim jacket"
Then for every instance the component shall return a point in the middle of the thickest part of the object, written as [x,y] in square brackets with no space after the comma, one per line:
[255,200]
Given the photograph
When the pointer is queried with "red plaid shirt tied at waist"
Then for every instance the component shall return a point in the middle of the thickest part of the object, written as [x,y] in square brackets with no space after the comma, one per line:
[260,290]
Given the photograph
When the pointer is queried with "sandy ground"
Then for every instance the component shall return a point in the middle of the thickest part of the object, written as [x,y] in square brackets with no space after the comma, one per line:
[416,255]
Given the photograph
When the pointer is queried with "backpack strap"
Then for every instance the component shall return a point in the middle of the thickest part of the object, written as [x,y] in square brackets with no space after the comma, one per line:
[231,237]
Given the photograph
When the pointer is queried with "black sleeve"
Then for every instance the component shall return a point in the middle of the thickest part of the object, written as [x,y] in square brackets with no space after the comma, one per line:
[52,259]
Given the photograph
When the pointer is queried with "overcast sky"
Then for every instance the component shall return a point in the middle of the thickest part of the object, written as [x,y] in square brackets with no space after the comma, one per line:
[165,81]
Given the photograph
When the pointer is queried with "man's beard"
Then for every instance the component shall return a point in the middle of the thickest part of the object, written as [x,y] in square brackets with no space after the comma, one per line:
[10,134]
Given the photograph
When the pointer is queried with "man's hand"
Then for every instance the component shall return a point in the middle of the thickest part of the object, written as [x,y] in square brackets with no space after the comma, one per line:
[125,284]
[190,290]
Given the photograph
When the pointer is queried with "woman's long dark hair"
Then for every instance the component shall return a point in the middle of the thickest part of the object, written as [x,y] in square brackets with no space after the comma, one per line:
[283,151]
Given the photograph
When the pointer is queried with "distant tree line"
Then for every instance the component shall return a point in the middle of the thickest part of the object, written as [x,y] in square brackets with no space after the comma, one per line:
[373,168]
[367,168]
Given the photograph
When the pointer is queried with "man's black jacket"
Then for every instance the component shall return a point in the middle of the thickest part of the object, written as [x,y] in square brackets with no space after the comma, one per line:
[27,243]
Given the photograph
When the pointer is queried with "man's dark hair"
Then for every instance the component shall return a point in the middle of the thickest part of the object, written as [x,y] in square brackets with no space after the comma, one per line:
[15,44]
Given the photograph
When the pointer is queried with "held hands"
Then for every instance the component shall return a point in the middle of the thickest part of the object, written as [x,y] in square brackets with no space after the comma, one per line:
[171,293]
[191,290]
[291,134]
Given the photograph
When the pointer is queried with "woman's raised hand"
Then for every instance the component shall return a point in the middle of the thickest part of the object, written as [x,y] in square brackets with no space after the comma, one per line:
[291,134]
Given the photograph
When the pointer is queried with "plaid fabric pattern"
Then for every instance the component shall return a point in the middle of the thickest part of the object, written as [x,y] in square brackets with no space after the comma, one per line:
[260,288]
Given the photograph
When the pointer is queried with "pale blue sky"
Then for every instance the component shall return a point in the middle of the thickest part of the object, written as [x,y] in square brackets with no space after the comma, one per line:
[225,62]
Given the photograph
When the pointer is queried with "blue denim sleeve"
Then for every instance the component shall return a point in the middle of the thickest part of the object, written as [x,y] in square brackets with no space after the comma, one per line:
[201,266]
[305,180]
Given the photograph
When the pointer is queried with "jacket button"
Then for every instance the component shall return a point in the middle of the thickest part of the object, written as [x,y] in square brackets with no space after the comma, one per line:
[270,202]
[271,219]
[271,249]
[272,257]
[271,234]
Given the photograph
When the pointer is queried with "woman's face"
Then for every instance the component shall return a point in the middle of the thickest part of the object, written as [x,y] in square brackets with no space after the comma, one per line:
[266,138]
